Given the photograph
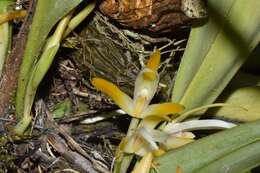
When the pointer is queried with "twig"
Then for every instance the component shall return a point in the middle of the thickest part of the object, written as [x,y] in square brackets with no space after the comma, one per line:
[73,144]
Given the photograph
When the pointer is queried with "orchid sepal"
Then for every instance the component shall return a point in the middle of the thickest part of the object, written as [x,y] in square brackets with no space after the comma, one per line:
[118,96]
[162,109]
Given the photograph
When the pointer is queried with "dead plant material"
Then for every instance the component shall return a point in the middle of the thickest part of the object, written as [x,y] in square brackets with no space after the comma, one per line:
[104,50]
[72,151]
[11,68]
[154,15]
[75,159]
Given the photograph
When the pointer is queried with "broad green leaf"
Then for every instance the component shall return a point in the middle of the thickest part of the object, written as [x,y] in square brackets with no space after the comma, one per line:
[218,49]
[239,161]
[196,155]
[47,14]
[199,43]
[246,103]
[248,75]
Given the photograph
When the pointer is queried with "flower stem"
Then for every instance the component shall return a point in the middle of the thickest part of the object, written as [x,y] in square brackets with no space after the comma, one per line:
[123,161]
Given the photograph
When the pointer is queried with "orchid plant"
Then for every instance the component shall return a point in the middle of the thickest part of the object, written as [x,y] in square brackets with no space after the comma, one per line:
[146,138]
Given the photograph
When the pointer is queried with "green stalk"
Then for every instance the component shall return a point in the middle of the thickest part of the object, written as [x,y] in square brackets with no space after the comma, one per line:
[193,112]
[5,34]
[122,163]
[39,71]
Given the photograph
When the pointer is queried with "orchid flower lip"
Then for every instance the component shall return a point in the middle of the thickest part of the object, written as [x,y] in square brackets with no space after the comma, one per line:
[147,136]
[197,125]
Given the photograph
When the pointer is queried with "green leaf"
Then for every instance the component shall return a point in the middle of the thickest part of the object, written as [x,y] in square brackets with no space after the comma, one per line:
[199,43]
[37,75]
[199,154]
[62,109]
[216,51]
[247,98]
[47,14]
[239,161]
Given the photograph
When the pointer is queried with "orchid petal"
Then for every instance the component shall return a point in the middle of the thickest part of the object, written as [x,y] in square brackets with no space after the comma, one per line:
[148,136]
[149,76]
[162,109]
[140,104]
[144,141]
[146,83]
[150,122]
[145,87]
[197,125]
[173,142]
[154,61]
[159,152]
[133,144]
[144,165]
[140,143]
[189,135]
[118,96]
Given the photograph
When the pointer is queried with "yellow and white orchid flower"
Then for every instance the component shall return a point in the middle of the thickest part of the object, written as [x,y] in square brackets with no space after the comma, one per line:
[145,88]
[144,140]
[147,141]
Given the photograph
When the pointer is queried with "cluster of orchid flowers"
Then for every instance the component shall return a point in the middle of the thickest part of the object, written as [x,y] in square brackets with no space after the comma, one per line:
[149,140]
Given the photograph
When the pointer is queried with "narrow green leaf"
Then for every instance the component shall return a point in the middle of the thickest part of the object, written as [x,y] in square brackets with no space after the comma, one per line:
[34,81]
[76,20]
[200,153]
[47,13]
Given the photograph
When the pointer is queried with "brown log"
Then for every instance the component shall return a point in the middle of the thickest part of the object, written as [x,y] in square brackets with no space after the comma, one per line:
[154,15]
